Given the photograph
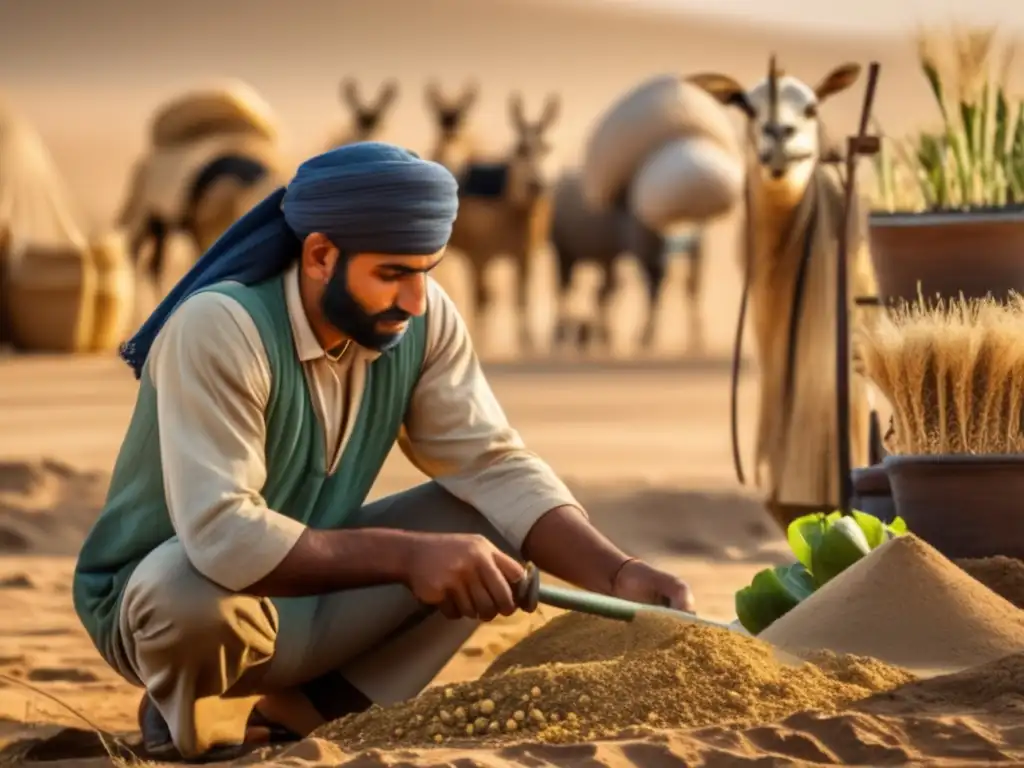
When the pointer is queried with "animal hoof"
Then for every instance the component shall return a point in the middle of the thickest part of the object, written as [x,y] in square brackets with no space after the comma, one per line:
[584,334]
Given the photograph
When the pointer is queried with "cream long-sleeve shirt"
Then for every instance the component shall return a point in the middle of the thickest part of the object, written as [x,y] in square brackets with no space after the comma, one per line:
[212,378]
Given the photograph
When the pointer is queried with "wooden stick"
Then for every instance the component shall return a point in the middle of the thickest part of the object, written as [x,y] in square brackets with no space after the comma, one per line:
[860,144]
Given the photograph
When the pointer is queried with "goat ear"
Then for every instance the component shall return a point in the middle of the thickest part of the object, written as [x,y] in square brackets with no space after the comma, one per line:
[469,95]
[839,79]
[433,95]
[350,93]
[388,94]
[552,107]
[726,90]
[515,110]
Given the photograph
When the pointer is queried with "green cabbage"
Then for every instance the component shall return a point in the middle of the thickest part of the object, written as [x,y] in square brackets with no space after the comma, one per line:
[824,546]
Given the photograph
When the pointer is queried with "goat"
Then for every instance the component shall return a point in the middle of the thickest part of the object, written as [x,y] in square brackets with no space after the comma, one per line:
[368,119]
[504,209]
[796,210]
[582,233]
[453,146]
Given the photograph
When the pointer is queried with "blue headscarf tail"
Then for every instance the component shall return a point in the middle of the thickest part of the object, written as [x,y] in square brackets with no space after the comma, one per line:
[368,197]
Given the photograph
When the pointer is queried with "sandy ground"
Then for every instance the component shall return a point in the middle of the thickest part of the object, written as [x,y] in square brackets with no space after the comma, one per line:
[644,442]
[652,468]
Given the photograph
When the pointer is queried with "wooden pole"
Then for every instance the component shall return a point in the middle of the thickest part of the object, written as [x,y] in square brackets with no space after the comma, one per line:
[859,144]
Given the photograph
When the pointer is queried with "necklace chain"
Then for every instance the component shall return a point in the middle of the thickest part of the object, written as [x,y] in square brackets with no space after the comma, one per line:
[341,354]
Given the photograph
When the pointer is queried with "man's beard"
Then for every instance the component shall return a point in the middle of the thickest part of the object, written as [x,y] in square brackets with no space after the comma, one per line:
[341,310]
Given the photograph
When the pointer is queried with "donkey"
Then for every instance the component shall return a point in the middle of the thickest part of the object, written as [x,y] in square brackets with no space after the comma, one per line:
[581,233]
[453,146]
[504,209]
[368,119]
[796,217]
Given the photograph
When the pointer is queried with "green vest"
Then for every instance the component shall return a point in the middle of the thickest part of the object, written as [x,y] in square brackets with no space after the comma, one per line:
[135,520]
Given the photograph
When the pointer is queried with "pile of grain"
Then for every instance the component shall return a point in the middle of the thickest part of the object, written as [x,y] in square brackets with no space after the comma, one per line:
[581,678]
[1003,575]
[908,605]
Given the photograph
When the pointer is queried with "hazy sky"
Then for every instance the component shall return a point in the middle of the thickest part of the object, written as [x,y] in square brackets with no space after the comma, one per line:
[862,15]
[89,74]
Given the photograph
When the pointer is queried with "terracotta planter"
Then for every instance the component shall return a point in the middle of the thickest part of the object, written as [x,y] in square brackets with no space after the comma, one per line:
[964,506]
[872,492]
[976,252]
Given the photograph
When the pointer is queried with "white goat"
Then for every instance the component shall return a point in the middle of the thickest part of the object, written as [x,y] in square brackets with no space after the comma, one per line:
[797,209]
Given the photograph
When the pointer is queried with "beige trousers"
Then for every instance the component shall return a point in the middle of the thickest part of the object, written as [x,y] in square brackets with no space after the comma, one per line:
[206,655]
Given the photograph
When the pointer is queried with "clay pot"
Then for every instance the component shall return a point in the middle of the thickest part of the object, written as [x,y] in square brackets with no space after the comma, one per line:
[115,291]
[963,505]
[872,493]
[976,252]
[51,297]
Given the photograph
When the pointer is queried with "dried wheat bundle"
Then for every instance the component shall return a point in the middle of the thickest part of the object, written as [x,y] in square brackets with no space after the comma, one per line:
[953,373]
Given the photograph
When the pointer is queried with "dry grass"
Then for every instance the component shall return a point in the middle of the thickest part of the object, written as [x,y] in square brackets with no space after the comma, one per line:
[120,753]
[953,373]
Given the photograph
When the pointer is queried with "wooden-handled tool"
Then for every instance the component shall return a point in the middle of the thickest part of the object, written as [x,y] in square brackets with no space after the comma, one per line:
[530,593]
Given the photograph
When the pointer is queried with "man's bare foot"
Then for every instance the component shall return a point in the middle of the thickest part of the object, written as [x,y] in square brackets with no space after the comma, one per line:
[289,709]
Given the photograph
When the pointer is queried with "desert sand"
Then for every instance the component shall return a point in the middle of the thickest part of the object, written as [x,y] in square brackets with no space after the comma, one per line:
[668,496]
[644,442]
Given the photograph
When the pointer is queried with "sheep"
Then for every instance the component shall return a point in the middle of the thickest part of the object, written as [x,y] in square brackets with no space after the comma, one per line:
[368,119]
[453,146]
[504,209]
[796,210]
[582,233]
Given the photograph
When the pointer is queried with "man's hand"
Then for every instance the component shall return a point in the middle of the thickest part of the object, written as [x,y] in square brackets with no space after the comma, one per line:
[596,563]
[464,575]
[642,583]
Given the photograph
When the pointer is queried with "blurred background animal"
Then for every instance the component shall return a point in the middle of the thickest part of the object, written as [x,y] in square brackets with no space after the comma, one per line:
[453,143]
[214,153]
[796,207]
[367,119]
[504,210]
[659,163]
[582,233]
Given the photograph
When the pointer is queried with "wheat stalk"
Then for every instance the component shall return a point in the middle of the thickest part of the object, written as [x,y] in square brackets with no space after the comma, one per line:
[952,372]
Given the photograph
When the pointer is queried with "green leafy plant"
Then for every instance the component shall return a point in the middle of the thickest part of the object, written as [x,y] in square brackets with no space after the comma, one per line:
[824,546]
[975,157]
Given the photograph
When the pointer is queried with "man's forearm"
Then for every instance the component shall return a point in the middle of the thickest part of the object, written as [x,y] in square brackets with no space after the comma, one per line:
[565,544]
[329,561]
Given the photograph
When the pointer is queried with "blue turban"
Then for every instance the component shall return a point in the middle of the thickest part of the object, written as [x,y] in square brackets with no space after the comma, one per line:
[365,197]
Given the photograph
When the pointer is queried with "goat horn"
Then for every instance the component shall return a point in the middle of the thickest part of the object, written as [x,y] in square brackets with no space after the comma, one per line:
[773,91]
